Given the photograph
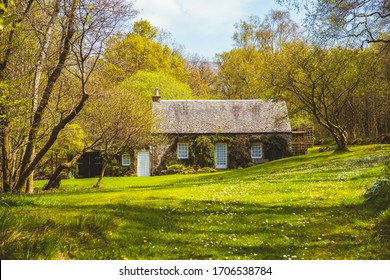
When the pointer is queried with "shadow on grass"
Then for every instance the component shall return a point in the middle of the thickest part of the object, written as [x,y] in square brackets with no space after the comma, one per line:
[203,230]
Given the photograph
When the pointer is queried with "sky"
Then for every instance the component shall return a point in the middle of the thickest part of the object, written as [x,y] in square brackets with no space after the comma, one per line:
[204,27]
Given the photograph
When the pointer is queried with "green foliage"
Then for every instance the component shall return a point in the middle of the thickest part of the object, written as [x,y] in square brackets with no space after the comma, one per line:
[70,140]
[145,29]
[383,225]
[202,150]
[175,168]
[143,83]
[181,169]
[322,82]
[275,147]
[239,152]
[137,51]
[379,191]
[206,170]
[239,72]
[203,153]
[11,226]
[269,34]
[114,168]
[93,224]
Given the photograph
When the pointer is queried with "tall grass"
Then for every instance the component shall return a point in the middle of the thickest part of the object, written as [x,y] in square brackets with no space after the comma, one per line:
[316,206]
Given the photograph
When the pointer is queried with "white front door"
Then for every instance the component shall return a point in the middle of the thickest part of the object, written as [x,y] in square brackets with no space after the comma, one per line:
[221,155]
[143,164]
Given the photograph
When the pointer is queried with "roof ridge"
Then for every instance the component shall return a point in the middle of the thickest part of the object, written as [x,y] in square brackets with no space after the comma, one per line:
[221,100]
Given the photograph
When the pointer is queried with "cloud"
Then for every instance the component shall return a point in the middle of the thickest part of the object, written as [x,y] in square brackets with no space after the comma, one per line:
[169,13]
[159,13]
[205,27]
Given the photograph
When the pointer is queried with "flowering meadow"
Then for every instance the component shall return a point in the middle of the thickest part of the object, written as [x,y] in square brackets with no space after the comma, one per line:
[317,206]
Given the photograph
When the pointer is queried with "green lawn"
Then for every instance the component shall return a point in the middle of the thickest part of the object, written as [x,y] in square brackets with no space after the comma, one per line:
[306,207]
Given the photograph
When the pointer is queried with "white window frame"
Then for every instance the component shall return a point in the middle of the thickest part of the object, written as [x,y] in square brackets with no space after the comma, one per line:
[125,159]
[256,150]
[221,156]
[182,150]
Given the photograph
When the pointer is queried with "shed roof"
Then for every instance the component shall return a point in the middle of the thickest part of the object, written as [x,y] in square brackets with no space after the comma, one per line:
[220,116]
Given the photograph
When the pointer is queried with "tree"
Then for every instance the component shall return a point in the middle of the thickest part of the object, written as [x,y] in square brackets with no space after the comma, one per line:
[13,14]
[239,74]
[69,147]
[359,21]
[143,84]
[269,34]
[322,82]
[139,51]
[122,122]
[242,72]
[69,37]
[368,109]
[202,76]
[144,29]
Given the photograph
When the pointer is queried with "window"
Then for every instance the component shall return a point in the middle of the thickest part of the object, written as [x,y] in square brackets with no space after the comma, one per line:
[125,160]
[182,150]
[221,155]
[257,150]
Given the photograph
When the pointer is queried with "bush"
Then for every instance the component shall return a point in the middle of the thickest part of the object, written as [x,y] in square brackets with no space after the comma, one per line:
[276,147]
[175,168]
[203,151]
[240,155]
[115,169]
[181,169]
[206,170]
[379,192]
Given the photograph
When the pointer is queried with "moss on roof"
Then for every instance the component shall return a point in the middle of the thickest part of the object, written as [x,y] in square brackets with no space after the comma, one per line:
[220,116]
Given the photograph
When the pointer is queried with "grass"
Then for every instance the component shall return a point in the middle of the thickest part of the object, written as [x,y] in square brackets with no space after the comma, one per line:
[306,207]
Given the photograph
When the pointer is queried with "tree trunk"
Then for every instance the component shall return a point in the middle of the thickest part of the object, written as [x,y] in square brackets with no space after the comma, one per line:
[30,178]
[341,138]
[54,181]
[37,83]
[28,165]
[30,183]
[101,174]
[6,176]
[8,47]
[339,134]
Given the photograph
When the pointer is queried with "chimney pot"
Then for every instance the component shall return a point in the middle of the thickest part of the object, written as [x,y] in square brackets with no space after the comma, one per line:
[156,97]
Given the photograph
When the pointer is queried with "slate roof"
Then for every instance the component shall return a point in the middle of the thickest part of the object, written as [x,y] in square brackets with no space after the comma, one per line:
[220,116]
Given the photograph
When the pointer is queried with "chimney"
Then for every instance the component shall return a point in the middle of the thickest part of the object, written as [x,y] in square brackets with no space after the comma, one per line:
[156,97]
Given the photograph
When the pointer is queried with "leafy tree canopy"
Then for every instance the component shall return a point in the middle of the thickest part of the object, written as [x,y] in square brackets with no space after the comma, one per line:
[240,74]
[144,83]
[136,51]
[322,82]
[269,33]
[144,29]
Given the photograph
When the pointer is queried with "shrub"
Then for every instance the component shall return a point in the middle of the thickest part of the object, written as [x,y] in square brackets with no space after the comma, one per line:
[379,192]
[240,154]
[206,170]
[115,168]
[175,168]
[276,147]
[203,151]
[169,158]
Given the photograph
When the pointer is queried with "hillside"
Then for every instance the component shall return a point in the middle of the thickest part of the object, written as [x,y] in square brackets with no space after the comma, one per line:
[306,207]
